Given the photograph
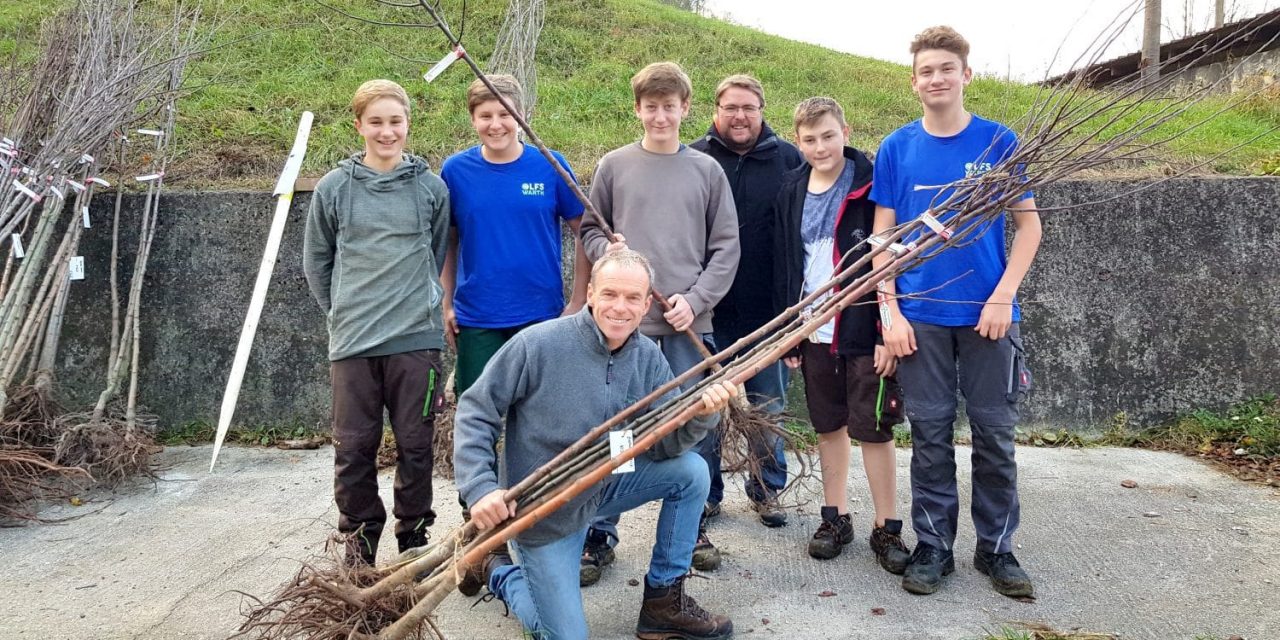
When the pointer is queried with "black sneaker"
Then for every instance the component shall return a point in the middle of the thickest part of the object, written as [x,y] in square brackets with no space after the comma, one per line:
[771,515]
[833,534]
[706,557]
[710,510]
[478,574]
[417,537]
[886,543]
[596,555]
[1006,575]
[925,570]
[359,550]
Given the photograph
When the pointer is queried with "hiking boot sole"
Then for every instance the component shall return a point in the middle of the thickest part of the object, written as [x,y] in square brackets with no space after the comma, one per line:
[927,588]
[667,634]
[708,560]
[1010,589]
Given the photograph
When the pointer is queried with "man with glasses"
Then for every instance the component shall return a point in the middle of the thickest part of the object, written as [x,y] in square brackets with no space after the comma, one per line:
[754,160]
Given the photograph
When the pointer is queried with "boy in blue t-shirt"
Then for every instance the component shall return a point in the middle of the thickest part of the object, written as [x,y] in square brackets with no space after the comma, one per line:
[502,272]
[963,319]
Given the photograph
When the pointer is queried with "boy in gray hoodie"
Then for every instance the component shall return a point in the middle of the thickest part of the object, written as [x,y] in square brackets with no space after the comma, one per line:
[375,239]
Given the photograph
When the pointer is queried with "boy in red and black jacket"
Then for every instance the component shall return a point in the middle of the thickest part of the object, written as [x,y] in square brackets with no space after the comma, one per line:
[822,212]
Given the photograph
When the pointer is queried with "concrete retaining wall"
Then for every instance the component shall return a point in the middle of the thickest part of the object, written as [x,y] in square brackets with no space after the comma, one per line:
[1150,304]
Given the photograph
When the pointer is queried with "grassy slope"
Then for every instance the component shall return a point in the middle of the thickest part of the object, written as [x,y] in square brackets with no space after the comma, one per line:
[236,128]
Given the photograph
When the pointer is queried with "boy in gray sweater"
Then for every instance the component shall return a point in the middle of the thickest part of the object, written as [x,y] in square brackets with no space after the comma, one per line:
[375,239]
[674,205]
[549,386]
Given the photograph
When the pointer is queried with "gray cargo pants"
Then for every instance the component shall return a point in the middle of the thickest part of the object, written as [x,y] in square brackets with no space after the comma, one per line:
[993,378]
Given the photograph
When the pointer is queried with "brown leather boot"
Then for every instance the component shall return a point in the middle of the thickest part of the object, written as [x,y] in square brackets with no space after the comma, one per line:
[477,575]
[668,613]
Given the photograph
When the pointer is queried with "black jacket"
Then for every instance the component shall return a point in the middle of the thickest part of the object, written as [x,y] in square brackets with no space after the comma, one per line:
[754,178]
[857,327]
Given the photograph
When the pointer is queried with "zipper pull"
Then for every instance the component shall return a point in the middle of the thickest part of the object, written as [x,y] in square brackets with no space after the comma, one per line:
[608,372]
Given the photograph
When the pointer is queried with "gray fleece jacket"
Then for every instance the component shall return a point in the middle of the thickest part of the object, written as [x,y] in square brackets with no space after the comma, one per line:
[373,249]
[554,382]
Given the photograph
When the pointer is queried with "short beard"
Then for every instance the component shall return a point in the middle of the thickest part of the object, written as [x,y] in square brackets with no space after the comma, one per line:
[740,148]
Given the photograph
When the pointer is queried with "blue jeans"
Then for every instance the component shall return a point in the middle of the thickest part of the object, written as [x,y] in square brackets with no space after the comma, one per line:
[542,590]
[682,355]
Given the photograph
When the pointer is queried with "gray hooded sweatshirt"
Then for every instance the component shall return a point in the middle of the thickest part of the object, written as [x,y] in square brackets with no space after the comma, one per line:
[549,386]
[372,254]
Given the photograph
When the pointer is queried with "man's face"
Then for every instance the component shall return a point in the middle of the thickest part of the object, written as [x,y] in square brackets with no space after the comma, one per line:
[822,143]
[384,125]
[619,297]
[738,118]
[661,116]
[938,78]
[496,127]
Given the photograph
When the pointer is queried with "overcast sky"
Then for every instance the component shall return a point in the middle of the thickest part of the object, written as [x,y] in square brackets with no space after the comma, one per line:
[1009,37]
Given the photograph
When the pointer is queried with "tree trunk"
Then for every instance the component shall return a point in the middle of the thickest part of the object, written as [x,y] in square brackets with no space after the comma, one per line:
[1151,42]
[1219,13]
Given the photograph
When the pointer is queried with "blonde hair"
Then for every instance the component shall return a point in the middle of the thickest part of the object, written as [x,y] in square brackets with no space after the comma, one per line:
[624,258]
[661,79]
[506,84]
[811,110]
[374,90]
[741,81]
[940,37]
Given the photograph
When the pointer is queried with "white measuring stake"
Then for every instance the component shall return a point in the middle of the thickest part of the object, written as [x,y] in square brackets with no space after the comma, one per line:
[17,247]
[75,270]
[284,196]
[448,59]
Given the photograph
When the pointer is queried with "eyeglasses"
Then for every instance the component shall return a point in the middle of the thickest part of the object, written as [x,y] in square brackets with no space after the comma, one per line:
[749,110]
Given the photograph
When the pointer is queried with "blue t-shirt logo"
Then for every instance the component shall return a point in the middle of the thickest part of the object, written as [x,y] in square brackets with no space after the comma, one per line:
[973,169]
[533,189]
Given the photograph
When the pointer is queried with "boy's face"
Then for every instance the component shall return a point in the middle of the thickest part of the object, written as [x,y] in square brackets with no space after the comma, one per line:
[822,143]
[661,116]
[384,125]
[496,128]
[738,118]
[939,78]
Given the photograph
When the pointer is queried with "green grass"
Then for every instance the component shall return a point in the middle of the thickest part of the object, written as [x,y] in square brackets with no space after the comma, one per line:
[236,128]
[202,432]
[1253,425]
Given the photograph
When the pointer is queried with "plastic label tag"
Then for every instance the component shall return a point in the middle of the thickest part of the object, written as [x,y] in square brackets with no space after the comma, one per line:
[151,132]
[896,249]
[150,176]
[75,270]
[935,226]
[84,215]
[75,185]
[17,247]
[99,181]
[86,158]
[882,297]
[26,190]
[444,63]
[620,441]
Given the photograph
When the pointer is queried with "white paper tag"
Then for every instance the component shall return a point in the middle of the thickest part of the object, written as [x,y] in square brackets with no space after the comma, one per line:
[17,247]
[882,299]
[444,63]
[895,248]
[75,270]
[935,226]
[150,132]
[620,441]
[84,215]
[26,190]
